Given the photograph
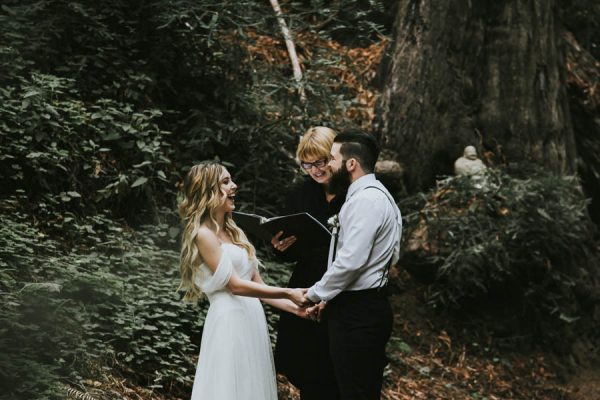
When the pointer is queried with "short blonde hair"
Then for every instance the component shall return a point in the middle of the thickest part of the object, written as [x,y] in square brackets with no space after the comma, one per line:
[315,143]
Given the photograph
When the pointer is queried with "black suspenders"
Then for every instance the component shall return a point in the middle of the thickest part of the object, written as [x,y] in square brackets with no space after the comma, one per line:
[389,263]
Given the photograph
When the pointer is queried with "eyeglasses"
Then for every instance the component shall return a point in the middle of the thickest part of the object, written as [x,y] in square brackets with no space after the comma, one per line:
[319,164]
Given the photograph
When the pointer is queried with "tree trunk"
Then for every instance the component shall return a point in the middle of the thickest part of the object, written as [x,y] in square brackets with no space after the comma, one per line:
[584,78]
[484,73]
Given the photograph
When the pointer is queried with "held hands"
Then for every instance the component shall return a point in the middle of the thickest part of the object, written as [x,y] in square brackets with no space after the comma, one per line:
[306,308]
[283,244]
[316,311]
[299,298]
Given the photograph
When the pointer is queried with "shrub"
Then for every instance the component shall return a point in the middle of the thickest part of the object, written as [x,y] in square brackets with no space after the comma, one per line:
[67,314]
[523,247]
[108,303]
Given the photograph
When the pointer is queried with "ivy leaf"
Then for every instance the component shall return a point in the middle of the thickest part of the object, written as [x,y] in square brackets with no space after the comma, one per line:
[46,286]
[150,328]
[142,164]
[31,93]
[544,214]
[35,154]
[568,319]
[139,181]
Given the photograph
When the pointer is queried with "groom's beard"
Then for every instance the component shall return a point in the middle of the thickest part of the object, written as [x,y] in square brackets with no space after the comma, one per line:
[340,181]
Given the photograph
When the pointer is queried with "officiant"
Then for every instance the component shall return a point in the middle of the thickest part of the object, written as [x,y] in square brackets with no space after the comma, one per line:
[302,348]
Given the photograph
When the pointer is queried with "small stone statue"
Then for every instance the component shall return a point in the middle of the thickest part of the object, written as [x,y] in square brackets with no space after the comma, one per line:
[469,164]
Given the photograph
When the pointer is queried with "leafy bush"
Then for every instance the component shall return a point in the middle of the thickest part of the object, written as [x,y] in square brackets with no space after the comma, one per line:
[88,119]
[356,22]
[106,151]
[105,105]
[108,303]
[64,313]
[521,247]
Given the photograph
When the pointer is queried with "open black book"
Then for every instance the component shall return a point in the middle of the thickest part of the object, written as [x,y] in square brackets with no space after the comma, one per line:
[308,231]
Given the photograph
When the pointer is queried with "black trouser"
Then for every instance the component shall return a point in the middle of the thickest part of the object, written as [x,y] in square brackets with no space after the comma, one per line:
[360,324]
[319,392]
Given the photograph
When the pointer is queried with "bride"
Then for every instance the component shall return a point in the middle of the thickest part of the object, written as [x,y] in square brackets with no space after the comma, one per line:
[218,260]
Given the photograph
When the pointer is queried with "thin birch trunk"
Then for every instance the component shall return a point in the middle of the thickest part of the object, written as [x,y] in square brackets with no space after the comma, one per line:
[290,47]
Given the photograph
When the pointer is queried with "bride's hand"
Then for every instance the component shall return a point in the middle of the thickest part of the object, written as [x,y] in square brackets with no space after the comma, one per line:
[302,313]
[283,244]
[298,297]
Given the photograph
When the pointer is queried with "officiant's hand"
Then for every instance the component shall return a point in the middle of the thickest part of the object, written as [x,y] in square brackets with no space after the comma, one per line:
[283,244]
[316,312]
[297,296]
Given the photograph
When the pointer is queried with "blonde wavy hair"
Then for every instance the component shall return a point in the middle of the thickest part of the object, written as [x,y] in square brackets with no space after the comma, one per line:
[202,195]
[315,143]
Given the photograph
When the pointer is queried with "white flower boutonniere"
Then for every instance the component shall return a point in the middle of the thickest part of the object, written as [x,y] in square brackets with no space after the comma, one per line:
[334,222]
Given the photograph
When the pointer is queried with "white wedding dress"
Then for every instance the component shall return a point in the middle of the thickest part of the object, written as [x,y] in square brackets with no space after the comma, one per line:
[235,361]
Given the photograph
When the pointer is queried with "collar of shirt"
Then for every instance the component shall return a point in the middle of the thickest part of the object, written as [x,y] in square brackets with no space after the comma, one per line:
[360,183]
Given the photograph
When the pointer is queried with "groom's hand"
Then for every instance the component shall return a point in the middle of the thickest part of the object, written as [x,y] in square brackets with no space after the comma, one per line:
[316,312]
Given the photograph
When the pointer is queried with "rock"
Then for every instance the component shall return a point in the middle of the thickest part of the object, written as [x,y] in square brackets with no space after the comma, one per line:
[390,173]
[469,164]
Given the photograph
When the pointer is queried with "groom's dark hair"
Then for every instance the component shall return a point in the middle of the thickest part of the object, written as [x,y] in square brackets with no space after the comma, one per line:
[360,145]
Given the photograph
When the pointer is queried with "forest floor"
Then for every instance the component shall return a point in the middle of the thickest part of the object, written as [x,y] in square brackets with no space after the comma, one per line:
[440,358]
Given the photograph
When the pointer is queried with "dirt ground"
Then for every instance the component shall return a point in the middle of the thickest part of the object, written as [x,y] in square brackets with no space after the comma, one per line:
[585,385]
[432,356]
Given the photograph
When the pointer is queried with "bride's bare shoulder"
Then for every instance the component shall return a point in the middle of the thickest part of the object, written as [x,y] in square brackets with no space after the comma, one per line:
[209,247]
[205,237]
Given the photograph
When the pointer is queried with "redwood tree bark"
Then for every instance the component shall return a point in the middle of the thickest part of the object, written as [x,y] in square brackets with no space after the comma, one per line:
[484,73]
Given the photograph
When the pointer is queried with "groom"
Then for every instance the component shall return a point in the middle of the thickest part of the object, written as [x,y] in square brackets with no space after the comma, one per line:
[359,313]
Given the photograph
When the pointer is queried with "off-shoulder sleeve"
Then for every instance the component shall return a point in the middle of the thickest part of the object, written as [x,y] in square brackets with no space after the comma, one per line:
[220,278]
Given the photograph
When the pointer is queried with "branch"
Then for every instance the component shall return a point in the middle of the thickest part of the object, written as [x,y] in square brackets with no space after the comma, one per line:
[290,47]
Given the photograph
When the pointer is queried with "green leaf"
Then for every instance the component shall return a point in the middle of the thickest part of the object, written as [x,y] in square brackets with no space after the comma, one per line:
[544,214]
[568,319]
[139,181]
[8,10]
[30,93]
[142,164]
[45,286]
[150,328]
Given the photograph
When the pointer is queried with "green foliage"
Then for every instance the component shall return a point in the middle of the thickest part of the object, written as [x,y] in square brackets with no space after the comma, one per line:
[110,303]
[84,150]
[353,22]
[520,247]
[113,306]
[103,154]
[105,105]
[582,18]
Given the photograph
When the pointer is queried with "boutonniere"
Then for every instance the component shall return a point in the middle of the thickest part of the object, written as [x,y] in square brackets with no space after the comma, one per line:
[334,222]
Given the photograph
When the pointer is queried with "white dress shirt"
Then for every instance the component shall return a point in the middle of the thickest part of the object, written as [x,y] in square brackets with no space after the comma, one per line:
[369,237]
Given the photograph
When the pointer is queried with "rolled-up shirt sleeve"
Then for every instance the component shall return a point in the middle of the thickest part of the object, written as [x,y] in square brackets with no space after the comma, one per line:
[359,223]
